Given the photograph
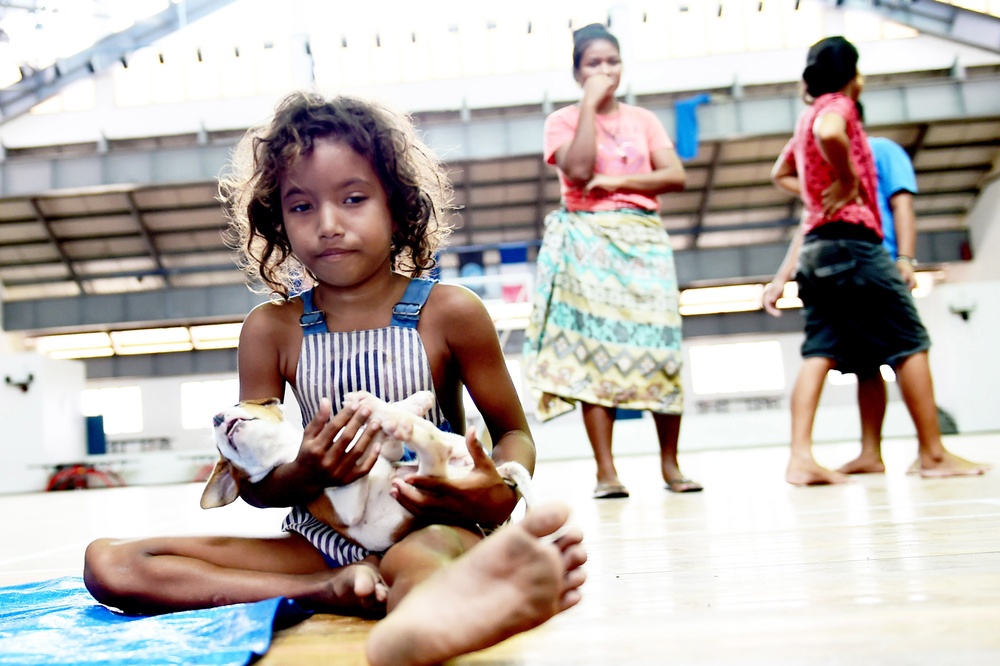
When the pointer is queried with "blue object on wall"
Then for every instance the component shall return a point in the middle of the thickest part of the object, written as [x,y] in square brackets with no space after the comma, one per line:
[97,443]
[687,124]
[514,254]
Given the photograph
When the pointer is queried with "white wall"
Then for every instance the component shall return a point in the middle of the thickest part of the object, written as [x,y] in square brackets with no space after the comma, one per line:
[42,421]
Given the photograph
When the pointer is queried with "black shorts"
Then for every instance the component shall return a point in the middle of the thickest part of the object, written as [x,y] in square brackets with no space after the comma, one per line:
[858,310]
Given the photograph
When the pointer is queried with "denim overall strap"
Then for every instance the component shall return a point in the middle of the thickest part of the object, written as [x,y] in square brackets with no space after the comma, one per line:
[406,313]
[313,321]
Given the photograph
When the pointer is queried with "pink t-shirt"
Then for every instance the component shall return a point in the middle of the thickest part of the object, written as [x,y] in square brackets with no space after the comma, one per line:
[625,141]
[816,174]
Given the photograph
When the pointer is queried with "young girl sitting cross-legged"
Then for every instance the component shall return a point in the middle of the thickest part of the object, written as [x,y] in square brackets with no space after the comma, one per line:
[338,210]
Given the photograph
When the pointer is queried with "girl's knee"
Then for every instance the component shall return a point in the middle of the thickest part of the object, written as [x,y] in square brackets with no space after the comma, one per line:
[106,564]
[430,545]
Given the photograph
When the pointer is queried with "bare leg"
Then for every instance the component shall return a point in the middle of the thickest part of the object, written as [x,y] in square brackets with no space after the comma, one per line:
[917,387]
[871,406]
[421,553]
[166,574]
[600,422]
[513,581]
[803,470]
[668,431]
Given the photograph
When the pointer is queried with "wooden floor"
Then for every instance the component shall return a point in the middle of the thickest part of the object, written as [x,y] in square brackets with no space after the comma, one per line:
[887,570]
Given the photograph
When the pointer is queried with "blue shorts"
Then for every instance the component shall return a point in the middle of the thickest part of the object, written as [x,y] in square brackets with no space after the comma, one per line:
[858,310]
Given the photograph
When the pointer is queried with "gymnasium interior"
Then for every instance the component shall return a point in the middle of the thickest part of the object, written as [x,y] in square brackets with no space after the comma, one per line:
[122,307]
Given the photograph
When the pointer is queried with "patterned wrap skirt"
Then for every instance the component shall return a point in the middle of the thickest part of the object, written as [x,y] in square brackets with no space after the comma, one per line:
[604,325]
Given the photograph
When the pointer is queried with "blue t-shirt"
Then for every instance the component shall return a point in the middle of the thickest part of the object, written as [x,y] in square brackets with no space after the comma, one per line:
[895,175]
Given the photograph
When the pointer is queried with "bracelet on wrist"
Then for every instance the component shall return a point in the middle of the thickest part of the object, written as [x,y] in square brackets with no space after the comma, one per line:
[908,260]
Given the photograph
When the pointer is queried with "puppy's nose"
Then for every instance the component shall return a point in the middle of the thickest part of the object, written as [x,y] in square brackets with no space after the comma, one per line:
[217,420]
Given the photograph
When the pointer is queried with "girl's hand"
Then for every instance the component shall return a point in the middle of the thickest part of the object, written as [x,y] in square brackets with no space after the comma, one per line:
[772,292]
[324,458]
[597,89]
[602,184]
[481,497]
[908,273]
[838,195]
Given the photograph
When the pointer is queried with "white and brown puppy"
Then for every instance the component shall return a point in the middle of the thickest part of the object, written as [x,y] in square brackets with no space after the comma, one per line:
[253,438]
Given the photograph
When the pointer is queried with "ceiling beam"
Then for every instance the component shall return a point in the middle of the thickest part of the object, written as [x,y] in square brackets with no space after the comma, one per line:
[706,195]
[941,19]
[36,86]
[147,237]
[56,243]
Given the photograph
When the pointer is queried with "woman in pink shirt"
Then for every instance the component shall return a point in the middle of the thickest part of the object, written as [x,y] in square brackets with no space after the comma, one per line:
[605,330]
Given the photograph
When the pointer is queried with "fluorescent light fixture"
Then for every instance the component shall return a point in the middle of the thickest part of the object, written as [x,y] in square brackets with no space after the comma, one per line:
[925,282]
[151,341]
[72,345]
[789,297]
[715,300]
[71,341]
[82,353]
[509,315]
[154,348]
[216,336]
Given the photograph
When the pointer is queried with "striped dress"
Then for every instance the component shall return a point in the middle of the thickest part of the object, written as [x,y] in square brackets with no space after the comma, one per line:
[389,362]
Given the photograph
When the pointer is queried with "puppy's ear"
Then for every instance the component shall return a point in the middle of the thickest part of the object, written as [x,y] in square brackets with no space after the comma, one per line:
[222,487]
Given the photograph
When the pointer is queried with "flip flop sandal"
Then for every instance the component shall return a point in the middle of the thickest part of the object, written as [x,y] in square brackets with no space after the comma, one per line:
[610,491]
[683,486]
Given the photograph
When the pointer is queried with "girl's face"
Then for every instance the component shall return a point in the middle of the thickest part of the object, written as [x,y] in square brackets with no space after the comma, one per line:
[336,214]
[600,57]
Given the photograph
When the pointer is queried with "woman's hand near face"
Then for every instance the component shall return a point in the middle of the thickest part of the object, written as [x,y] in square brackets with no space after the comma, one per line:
[597,90]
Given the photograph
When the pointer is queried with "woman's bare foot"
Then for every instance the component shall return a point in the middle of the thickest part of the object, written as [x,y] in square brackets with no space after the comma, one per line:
[945,465]
[803,472]
[355,589]
[510,582]
[863,464]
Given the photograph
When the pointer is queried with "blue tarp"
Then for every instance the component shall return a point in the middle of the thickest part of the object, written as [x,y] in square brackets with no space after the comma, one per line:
[58,622]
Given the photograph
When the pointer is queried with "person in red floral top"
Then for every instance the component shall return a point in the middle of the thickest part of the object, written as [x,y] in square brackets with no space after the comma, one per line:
[858,310]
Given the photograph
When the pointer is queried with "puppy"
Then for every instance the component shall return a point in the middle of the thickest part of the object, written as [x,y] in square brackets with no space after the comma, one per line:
[253,438]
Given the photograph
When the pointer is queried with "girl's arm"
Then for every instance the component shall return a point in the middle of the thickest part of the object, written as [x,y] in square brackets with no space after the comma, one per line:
[471,355]
[265,359]
[830,130]
[667,176]
[905,220]
[774,289]
[785,177]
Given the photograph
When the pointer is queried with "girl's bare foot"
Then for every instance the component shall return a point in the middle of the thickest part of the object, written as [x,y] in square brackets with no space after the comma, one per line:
[512,581]
[803,472]
[863,464]
[946,464]
[355,589]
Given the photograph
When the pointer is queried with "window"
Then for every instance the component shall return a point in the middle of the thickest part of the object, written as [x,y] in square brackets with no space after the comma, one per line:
[120,406]
[200,401]
[743,367]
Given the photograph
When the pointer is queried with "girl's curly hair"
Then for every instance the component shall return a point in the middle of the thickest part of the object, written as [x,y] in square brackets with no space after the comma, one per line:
[416,187]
